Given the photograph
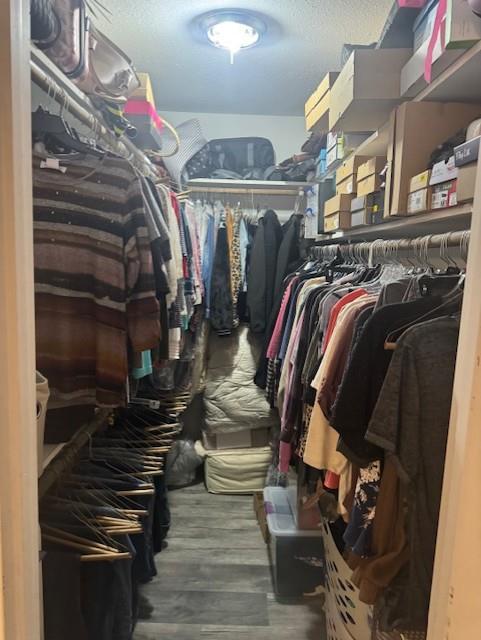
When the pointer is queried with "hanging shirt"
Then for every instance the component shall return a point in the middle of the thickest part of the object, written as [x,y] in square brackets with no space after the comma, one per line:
[94,279]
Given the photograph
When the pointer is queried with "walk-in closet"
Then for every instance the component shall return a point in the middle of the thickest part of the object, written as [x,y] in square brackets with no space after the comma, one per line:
[240,311]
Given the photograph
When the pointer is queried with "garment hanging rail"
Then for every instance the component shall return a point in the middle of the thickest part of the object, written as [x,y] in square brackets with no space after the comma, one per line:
[407,249]
[247,191]
[46,75]
[68,454]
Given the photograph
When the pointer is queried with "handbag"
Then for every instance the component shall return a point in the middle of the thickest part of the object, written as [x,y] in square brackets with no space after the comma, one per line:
[111,74]
[69,45]
[44,26]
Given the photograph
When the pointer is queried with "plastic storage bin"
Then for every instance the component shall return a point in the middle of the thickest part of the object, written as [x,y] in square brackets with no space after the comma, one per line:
[297,556]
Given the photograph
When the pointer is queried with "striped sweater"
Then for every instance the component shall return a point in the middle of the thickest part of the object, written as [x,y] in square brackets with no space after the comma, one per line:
[94,280]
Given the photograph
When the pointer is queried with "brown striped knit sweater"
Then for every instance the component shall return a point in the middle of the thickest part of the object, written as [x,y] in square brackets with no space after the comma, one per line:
[94,280]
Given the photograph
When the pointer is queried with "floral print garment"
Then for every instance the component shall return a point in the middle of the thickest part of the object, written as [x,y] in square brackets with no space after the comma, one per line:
[359,531]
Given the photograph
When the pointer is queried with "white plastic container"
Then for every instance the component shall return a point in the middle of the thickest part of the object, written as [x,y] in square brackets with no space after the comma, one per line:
[297,556]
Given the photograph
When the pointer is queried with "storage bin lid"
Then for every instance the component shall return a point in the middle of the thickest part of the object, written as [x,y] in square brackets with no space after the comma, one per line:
[280,514]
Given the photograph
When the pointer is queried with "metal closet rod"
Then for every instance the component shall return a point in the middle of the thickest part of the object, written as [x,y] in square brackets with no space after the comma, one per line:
[433,241]
[88,117]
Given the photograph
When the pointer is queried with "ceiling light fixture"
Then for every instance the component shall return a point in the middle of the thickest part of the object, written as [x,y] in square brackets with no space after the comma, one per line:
[232,31]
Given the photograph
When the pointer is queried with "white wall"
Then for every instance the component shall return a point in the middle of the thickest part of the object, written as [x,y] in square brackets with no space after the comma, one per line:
[287,133]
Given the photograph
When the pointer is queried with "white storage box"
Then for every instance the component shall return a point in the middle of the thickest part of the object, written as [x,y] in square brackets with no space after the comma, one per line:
[297,556]
[237,471]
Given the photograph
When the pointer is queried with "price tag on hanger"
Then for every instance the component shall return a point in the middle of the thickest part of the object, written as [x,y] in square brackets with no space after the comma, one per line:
[52,163]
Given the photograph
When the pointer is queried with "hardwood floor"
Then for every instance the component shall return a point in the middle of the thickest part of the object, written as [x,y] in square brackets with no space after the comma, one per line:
[214,579]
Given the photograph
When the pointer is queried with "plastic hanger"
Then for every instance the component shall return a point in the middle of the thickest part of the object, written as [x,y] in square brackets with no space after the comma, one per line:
[54,129]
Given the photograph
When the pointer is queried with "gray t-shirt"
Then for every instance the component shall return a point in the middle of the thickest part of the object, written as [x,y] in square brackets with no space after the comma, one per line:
[410,422]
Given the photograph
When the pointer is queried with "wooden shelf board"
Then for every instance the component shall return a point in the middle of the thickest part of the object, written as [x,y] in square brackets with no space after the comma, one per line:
[439,221]
[460,82]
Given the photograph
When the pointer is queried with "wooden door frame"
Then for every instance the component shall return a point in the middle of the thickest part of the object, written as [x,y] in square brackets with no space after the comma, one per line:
[19,556]
[455,611]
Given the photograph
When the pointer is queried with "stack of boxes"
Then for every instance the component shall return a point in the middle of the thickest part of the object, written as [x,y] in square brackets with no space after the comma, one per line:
[359,200]
[140,110]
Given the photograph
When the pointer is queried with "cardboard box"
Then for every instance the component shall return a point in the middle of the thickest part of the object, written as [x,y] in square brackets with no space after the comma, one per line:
[366,217]
[424,23]
[421,181]
[369,185]
[444,195]
[467,153]
[443,172]
[463,28]
[373,201]
[466,184]
[333,138]
[336,154]
[414,4]
[347,187]
[373,166]
[317,106]
[145,91]
[367,89]
[409,152]
[341,202]
[338,222]
[419,201]
[349,168]
[412,74]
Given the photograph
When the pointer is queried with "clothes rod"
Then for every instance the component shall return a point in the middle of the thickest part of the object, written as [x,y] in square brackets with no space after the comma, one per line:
[70,98]
[434,241]
[248,191]
[68,454]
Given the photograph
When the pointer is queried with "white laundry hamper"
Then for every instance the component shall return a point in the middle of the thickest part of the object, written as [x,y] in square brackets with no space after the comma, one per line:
[347,618]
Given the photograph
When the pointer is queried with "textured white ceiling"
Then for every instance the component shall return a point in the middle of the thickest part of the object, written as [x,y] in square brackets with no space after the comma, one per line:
[304,41]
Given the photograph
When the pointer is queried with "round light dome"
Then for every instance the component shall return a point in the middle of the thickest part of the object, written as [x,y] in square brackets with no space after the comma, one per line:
[232,30]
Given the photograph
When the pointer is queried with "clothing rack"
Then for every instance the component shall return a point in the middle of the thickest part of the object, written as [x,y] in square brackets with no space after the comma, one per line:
[414,251]
[68,454]
[51,80]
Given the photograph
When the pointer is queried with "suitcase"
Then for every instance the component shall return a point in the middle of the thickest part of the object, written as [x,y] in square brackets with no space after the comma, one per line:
[242,155]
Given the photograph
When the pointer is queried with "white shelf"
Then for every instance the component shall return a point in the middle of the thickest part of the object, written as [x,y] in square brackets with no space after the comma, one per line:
[248,185]
[439,221]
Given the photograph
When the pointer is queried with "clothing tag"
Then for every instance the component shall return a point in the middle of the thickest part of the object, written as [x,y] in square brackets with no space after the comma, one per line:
[52,163]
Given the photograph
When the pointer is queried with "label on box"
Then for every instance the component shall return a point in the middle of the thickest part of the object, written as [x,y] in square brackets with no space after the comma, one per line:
[444,196]
[418,201]
[421,181]
[467,152]
[443,172]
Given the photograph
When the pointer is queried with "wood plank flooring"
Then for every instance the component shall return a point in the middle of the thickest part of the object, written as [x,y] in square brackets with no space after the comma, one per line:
[214,579]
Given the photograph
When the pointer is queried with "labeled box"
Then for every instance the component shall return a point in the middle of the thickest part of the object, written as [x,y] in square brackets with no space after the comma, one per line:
[341,202]
[317,106]
[371,166]
[338,222]
[467,153]
[443,172]
[369,185]
[419,201]
[367,89]
[444,195]
[420,181]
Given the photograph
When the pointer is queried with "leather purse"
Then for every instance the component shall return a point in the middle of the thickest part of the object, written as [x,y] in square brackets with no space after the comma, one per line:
[111,74]
[68,47]
[44,25]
